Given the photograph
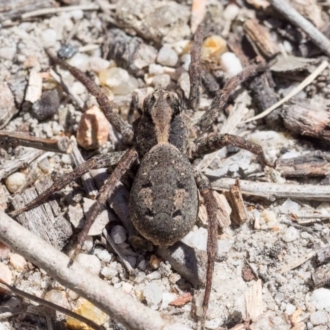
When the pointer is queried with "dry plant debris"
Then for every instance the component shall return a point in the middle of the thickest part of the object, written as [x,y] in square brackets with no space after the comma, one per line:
[129,48]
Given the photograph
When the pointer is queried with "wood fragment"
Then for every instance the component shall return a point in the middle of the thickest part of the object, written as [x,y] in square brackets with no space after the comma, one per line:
[292,15]
[304,120]
[253,300]
[198,10]
[182,300]
[34,89]
[130,313]
[239,215]
[7,105]
[14,139]
[321,276]
[46,220]
[272,191]
[296,263]
[260,38]
[294,92]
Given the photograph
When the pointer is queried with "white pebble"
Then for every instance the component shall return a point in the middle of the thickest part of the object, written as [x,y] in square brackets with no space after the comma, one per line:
[66,159]
[49,38]
[167,298]
[289,309]
[17,261]
[142,265]
[118,80]
[98,64]
[156,69]
[90,262]
[319,317]
[230,12]
[15,181]
[290,235]
[161,81]
[109,272]
[231,64]
[7,53]
[153,294]
[154,276]
[320,298]
[118,234]
[103,255]
[80,61]
[167,56]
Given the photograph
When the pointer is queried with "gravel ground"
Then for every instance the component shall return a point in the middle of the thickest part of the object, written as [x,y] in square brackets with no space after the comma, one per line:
[263,276]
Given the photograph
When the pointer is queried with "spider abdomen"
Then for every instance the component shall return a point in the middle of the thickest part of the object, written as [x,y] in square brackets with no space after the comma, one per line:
[164,198]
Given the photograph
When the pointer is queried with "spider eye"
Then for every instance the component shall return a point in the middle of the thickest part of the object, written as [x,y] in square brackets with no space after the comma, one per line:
[153,99]
[168,98]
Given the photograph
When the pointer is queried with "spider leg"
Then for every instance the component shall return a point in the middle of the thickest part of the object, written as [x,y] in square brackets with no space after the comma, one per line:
[115,120]
[93,163]
[195,68]
[222,96]
[204,187]
[215,142]
[125,163]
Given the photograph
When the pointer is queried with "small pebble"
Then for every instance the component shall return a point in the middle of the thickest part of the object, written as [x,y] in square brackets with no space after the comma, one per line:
[127,287]
[4,251]
[17,261]
[93,129]
[290,235]
[167,56]
[5,275]
[289,309]
[118,80]
[67,51]
[103,255]
[109,272]
[80,61]
[66,159]
[57,297]
[319,317]
[15,182]
[118,234]
[48,104]
[231,64]
[98,64]
[154,261]
[186,60]
[7,53]
[155,69]
[161,80]
[90,262]
[153,294]
[142,265]
[49,38]
[167,298]
[230,12]
[154,276]
[320,298]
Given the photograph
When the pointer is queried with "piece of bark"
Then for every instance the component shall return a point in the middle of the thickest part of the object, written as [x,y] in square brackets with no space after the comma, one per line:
[323,256]
[253,300]
[272,191]
[260,38]
[321,276]
[239,215]
[45,221]
[7,105]
[301,119]
[262,87]
[304,166]
[15,8]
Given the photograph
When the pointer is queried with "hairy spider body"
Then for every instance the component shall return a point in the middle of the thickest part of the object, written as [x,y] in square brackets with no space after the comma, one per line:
[164,195]
[164,198]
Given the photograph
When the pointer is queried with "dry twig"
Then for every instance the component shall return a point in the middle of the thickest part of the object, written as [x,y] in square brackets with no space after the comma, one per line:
[118,305]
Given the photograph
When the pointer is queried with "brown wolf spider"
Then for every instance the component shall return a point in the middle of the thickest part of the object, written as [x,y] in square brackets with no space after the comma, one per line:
[164,195]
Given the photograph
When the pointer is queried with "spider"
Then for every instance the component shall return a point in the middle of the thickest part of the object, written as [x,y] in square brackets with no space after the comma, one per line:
[164,194]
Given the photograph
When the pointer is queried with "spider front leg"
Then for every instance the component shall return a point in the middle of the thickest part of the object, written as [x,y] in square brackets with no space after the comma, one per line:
[123,166]
[217,141]
[94,163]
[204,187]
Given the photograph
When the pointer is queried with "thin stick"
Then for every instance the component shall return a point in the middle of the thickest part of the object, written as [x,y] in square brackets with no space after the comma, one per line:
[272,191]
[120,306]
[317,37]
[294,92]
[48,11]
[51,305]
[13,139]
